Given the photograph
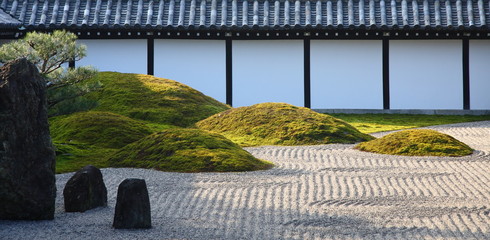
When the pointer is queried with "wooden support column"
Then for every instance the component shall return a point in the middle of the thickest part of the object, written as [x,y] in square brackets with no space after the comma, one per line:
[229,72]
[386,73]
[150,56]
[466,74]
[307,72]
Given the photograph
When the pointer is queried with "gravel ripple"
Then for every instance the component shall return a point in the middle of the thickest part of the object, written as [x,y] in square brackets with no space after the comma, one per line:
[314,192]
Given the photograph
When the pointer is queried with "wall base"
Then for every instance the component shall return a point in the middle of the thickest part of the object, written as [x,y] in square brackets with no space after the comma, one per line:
[405,111]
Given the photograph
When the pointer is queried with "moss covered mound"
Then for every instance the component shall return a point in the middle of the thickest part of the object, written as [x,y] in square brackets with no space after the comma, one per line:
[153,99]
[419,142]
[99,129]
[280,124]
[186,150]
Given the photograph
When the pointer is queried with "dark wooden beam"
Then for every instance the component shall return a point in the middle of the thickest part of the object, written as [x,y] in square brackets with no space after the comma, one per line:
[150,56]
[386,73]
[307,73]
[229,72]
[466,74]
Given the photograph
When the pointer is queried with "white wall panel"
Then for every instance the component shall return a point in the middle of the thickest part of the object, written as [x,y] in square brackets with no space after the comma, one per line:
[119,55]
[480,74]
[346,74]
[200,64]
[268,71]
[426,74]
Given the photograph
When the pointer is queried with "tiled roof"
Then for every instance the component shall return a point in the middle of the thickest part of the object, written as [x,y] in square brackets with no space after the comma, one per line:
[455,14]
[7,21]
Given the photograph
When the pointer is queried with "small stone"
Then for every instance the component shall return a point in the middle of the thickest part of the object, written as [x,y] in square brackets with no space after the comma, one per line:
[85,190]
[133,205]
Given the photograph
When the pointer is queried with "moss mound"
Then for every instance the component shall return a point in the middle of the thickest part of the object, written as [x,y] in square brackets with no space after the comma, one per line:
[280,124]
[100,129]
[186,150]
[152,99]
[419,142]
[72,156]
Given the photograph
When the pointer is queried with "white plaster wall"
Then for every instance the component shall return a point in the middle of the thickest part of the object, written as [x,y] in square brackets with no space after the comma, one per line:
[268,71]
[119,55]
[426,74]
[200,64]
[346,74]
[480,74]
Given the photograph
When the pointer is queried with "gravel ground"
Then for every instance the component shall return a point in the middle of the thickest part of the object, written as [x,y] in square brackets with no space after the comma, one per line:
[314,192]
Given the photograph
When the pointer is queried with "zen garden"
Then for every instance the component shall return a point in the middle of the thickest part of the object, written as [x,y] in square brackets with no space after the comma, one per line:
[114,155]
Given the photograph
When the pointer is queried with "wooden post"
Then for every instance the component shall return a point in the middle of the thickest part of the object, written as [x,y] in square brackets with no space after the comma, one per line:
[307,73]
[229,72]
[150,55]
[386,73]
[466,74]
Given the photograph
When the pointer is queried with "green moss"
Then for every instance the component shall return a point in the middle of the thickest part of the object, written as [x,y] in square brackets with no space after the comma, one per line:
[154,100]
[418,142]
[370,123]
[128,108]
[72,156]
[186,150]
[99,129]
[280,124]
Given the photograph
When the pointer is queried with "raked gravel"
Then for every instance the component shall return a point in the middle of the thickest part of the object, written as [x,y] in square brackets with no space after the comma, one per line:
[314,192]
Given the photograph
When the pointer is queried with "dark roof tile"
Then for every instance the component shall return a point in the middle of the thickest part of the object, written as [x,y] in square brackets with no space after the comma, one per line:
[7,21]
[388,14]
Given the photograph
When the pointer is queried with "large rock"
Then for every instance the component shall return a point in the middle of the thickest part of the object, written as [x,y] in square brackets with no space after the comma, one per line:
[27,157]
[85,190]
[133,205]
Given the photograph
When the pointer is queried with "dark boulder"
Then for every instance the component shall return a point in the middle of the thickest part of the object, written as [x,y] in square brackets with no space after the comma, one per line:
[133,205]
[27,157]
[85,190]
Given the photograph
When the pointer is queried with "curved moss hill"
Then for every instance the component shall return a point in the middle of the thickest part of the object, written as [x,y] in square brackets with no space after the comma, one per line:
[280,124]
[153,99]
[418,142]
[186,150]
[99,129]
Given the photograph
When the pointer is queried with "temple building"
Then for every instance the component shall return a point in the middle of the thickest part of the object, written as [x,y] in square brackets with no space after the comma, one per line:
[332,55]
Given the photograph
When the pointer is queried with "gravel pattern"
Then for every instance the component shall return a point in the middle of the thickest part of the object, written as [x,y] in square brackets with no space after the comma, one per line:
[314,192]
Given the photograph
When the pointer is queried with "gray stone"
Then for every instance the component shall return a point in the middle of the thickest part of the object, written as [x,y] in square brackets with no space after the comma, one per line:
[85,190]
[27,157]
[133,205]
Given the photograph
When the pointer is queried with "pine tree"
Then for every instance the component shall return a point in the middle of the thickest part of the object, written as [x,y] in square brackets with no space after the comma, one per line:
[51,52]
